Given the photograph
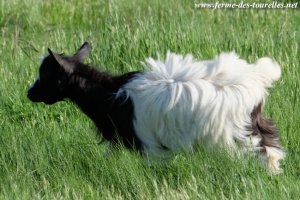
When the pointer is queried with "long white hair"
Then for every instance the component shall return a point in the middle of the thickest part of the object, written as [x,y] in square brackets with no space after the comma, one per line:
[180,103]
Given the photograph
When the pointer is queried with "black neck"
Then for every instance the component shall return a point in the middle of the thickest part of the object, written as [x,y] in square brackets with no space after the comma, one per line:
[94,93]
[88,89]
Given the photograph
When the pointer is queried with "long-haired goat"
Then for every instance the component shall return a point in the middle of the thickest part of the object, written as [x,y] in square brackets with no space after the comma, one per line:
[172,106]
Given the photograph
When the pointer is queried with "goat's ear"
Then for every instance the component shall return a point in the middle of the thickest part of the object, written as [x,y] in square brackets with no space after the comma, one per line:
[62,62]
[83,52]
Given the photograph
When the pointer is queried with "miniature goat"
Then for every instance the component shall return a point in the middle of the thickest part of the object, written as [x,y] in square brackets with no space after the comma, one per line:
[172,106]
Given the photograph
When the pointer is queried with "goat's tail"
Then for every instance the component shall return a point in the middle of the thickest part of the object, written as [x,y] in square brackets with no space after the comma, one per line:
[269,70]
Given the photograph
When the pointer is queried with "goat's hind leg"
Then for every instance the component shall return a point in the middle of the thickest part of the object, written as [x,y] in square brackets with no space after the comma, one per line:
[269,145]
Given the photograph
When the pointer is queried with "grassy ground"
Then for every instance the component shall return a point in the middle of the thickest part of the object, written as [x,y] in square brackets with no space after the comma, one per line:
[52,152]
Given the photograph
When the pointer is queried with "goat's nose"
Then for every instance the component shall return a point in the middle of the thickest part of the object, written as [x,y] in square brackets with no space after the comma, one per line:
[29,94]
[32,95]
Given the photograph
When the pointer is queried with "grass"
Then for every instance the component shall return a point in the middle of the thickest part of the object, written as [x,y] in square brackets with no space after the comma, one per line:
[53,152]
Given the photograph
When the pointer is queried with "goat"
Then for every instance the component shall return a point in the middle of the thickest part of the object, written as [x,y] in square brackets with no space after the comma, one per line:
[172,106]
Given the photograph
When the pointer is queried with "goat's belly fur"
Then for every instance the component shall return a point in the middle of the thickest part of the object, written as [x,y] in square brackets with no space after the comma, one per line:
[180,103]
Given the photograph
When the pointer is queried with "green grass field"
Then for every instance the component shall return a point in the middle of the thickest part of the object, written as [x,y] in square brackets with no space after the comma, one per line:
[52,152]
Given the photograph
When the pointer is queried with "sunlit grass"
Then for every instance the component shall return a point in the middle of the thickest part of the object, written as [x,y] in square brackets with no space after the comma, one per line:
[52,152]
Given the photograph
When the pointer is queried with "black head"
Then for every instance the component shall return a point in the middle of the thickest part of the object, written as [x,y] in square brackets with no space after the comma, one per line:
[55,70]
